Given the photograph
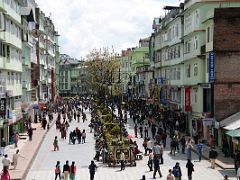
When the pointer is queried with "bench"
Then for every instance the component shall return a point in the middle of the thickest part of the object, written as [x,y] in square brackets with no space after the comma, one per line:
[139,156]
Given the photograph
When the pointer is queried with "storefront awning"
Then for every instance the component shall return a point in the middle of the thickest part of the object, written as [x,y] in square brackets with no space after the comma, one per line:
[233,126]
[229,120]
[234,133]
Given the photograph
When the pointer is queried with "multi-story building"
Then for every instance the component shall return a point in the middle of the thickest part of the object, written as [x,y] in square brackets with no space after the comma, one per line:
[72,74]
[140,58]
[19,53]
[44,69]
[183,49]
[125,71]
[10,66]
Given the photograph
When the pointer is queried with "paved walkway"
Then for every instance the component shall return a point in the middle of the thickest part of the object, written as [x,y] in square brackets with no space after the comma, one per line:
[28,150]
[44,163]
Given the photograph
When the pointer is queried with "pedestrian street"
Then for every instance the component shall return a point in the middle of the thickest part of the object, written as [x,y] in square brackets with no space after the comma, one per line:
[45,161]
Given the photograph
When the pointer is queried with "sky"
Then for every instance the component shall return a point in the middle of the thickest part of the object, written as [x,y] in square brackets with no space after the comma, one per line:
[88,24]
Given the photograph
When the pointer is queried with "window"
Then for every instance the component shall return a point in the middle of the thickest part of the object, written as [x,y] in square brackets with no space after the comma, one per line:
[196,17]
[9,78]
[187,46]
[179,52]
[208,34]
[188,70]
[1,22]
[178,73]
[176,30]
[195,69]
[195,42]
[12,78]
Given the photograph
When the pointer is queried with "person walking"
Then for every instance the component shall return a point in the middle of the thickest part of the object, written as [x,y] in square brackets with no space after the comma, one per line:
[3,145]
[189,149]
[55,144]
[84,136]
[122,159]
[177,171]
[15,139]
[156,150]
[15,159]
[212,156]
[170,175]
[6,162]
[5,174]
[183,144]
[161,153]
[141,130]
[66,170]
[92,169]
[190,169]
[199,150]
[73,169]
[135,129]
[150,160]
[78,116]
[164,138]
[30,133]
[156,167]
[58,170]
[146,130]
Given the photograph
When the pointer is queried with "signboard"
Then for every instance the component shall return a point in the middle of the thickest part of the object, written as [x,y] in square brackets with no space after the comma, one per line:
[3,108]
[211,71]
[208,121]
[187,99]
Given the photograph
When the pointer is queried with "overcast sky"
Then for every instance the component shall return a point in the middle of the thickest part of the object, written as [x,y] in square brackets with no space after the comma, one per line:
[87,24]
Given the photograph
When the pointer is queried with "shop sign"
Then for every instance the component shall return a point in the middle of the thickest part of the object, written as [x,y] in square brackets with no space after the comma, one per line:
[3,108]
[235,141]
[211,67]
[187,100]
[208,121]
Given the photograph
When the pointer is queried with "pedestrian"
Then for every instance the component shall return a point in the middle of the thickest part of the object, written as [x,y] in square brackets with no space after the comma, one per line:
[78,116]
[73,169]
[161,153]
[6,162]
[15,139]
[156,150]
[150,160]
[173,147]
[145,141]
[170,175]
[135,129]
[183,144]
[79,136]
[149,145]
[3,145]
[15,159]
[212,156]
[153,129]
[55,144]
[58,170]
[5,174]
[30,133]
[146,130]
[84,136]
[195,135]
[189,149]
[66,170]
[199,150]
[156,167]
[75,115]
[190,169]
[92,169]
[122,159]
[164,138]
[177,172]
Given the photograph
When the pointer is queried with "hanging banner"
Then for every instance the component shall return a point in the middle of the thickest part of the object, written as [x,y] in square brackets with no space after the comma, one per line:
[187,99]
[211,71]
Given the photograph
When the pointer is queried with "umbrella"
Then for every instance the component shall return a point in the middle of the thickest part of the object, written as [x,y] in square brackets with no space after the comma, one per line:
[130,136]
